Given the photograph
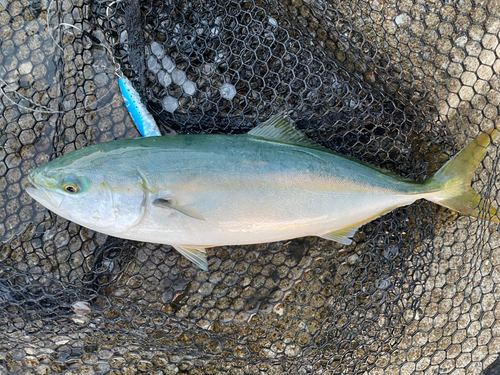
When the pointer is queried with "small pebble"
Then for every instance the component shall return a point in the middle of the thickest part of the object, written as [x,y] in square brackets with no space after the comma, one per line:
[189,87]
[164,78]
[124,39]
[352,259]
[391,251]
[178,76]
[81,308]
[383,283]
[227,91]
[167,80]
[153,64]
[157,50]
[167,64]
[25,68]
[161,76]
[403,20]
[170,104]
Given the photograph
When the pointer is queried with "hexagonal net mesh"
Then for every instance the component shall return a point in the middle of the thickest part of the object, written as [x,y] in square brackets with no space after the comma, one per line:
[403,85]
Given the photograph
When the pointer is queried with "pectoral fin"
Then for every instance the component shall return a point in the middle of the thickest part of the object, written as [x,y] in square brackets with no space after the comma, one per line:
[186,210]
[195,254]
[342,236]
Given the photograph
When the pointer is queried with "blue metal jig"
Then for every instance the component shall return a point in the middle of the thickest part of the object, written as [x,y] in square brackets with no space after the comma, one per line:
[142,118]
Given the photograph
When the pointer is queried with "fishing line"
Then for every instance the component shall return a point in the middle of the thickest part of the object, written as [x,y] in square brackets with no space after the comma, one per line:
[44,109]
[86,106]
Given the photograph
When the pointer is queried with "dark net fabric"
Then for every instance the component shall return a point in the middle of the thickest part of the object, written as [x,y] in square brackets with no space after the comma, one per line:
[400,84]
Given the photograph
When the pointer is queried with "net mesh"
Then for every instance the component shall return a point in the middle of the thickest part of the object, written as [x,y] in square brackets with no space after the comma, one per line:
[403,85]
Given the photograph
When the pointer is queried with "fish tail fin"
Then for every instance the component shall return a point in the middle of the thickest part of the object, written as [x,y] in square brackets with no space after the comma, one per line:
[453,180]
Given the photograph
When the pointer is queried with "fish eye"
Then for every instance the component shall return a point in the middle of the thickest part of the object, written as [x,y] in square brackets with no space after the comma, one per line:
[71,186]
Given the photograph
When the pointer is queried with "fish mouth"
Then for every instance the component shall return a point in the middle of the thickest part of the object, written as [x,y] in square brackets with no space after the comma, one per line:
[35,192]
[31,187]
[39,194]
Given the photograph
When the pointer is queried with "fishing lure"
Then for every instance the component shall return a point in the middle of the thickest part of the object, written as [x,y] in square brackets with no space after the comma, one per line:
[144,121]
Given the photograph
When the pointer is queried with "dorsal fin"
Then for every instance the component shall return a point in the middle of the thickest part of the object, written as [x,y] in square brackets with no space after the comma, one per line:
[282,129]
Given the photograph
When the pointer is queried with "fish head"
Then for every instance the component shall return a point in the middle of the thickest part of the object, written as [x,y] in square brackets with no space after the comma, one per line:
[89,192]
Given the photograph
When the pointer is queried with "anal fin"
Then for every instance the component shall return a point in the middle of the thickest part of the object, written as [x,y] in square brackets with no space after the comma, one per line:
[195,254]
[342,236]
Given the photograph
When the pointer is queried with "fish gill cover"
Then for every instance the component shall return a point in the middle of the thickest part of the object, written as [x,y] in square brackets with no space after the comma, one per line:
[400,84]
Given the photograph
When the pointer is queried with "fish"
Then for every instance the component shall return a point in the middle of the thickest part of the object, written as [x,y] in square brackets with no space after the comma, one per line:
[143,120]
[272,184]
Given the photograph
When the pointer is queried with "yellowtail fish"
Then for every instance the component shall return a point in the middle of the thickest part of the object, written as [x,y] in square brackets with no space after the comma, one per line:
[272,184]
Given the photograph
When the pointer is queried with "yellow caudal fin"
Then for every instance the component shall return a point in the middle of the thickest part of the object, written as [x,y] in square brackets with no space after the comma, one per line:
[453,180]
